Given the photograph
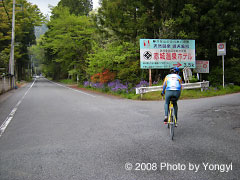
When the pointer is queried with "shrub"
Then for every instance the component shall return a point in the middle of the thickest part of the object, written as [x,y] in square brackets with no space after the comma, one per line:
[103,77]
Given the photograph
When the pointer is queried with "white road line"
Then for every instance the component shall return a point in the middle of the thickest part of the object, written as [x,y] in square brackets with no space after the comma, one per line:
[72,89]
[12,113]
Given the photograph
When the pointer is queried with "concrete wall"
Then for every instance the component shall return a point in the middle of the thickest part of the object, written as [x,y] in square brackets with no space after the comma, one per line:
[5,84]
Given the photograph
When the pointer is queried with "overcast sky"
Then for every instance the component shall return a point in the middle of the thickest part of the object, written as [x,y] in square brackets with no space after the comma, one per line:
[43,4]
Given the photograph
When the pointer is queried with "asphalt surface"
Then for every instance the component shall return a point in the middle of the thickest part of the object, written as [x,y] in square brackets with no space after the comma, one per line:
[58,133]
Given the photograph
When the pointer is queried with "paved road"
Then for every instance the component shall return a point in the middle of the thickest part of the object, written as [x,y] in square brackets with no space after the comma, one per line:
[57,133]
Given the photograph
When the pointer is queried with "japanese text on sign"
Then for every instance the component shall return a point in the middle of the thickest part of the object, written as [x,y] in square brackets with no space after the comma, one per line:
[167,53]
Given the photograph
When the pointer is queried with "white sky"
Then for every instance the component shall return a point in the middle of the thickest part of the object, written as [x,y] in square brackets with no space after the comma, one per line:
[43,4]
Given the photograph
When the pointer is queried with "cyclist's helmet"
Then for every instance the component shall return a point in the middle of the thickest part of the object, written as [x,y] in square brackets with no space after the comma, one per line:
[174,70]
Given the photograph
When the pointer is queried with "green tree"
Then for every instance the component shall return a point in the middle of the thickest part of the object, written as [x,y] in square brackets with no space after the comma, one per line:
[77,7]
[67,43]
[37,56]
[119,24]
[27,16]
[218,22]
[118,57]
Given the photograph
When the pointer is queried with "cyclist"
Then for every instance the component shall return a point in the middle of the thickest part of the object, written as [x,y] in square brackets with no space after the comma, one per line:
[172,86]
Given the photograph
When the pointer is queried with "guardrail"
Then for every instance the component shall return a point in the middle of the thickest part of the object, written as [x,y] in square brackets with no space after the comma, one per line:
[202,85]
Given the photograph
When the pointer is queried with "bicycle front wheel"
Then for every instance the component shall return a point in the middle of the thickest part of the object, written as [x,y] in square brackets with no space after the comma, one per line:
[172,125]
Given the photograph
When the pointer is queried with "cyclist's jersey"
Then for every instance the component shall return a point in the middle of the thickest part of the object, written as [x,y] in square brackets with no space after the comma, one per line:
[172,82]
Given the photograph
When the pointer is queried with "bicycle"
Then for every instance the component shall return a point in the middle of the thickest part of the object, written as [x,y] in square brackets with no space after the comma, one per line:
[172,121]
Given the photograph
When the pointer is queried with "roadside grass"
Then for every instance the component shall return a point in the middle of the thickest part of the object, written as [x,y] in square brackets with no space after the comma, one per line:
[68,81]
[108,92]
[196,93]
[186,94]
[209,92]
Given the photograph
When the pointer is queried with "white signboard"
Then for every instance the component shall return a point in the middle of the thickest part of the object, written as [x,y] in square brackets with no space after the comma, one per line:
[221,49]
[202,66]
[167,53]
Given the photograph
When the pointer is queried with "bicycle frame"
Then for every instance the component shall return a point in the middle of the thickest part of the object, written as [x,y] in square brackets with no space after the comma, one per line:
[171,119]
[171,113]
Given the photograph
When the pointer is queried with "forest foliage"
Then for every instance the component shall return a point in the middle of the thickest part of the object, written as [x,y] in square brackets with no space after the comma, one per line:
[81,42]
[27,16]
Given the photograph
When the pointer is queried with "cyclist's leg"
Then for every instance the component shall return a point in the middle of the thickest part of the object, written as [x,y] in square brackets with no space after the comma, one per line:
[175,106]
[168,94]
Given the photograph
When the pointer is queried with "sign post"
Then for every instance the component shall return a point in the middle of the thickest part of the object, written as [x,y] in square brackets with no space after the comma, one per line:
[150,77]
[223,70]
[221,51]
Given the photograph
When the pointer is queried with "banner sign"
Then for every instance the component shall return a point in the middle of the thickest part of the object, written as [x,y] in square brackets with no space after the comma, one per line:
[202,66]
[167,53]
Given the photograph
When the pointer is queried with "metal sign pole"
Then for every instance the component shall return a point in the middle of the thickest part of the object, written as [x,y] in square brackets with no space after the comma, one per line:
[221,51]
[223,69]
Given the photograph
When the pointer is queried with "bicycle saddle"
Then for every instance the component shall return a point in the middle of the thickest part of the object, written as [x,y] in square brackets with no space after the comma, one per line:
[173,98]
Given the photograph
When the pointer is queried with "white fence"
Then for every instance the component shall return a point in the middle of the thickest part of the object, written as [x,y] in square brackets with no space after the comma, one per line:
[202,85]
[5,84]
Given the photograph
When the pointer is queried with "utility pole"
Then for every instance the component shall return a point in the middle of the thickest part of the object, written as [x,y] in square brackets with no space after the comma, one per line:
[11,61]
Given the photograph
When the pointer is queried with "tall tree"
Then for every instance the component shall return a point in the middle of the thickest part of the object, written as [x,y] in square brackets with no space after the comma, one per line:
[67,43]
[77,7]
[118,57]
[208,22]
[27,16]
[119,24]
